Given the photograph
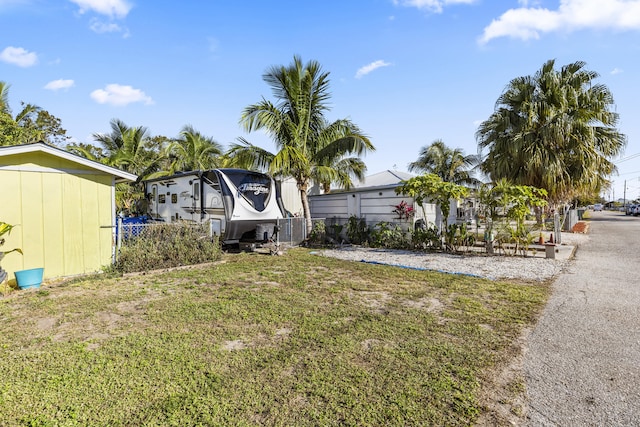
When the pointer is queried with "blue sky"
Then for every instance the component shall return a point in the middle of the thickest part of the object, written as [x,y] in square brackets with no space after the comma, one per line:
[407,72]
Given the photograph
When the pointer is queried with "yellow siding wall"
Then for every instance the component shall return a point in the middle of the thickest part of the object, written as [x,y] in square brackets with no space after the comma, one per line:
[59,212]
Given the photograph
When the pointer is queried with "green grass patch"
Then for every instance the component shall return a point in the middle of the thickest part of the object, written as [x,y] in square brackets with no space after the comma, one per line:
[258,340]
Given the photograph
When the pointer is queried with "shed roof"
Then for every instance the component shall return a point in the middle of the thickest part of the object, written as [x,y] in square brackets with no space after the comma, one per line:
[384,178]
[41,147]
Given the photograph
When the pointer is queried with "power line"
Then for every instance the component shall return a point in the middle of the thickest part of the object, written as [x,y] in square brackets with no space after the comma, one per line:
[624,159]
[628,173]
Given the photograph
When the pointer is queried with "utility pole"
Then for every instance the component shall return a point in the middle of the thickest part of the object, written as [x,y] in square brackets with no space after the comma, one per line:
[624,199]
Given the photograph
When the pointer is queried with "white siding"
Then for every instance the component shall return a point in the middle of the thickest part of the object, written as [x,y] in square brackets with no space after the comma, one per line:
[373,205]
[329,206]
[291,196]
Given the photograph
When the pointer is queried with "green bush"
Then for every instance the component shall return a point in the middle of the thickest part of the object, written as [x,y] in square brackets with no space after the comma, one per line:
[166,246]
[318,232]
[388,235]
[426,238]
[357,230]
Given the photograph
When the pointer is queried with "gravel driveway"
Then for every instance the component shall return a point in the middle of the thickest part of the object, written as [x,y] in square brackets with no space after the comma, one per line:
[582,364]
[531,268]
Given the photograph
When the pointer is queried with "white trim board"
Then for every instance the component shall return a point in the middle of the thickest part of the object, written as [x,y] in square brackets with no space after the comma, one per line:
[43,148]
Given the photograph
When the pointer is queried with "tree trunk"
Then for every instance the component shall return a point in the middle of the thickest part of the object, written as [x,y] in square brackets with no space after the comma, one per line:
[302,187]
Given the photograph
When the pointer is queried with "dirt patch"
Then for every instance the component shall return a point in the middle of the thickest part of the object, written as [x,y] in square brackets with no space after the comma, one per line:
[234,345]
[46,323]
[503,396]
[283,332]
[375,300]
[369,344]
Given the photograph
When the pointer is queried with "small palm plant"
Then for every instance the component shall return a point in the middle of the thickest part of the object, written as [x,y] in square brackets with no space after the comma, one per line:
[5,229]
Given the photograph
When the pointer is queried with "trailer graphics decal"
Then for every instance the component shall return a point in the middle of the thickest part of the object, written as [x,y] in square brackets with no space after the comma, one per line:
[253,187]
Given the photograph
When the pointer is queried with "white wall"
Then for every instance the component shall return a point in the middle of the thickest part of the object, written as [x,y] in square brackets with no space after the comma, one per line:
[291,196]
[373,205]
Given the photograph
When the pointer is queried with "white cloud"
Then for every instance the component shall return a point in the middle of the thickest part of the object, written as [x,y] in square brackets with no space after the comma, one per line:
[434,6]
[363,71]
[528,3]
[59,84]
[110,27]
[120,95]
[529,23]
[103,27]
[111,8]
[18,56]
[616,71]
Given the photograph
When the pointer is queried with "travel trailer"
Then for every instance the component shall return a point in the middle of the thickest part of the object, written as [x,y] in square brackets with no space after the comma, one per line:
[241,206]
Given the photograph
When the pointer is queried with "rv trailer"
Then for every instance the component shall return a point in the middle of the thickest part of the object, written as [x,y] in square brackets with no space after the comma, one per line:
[241,206]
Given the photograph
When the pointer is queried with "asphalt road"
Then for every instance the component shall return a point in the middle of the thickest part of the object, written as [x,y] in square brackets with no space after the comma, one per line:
[582,364]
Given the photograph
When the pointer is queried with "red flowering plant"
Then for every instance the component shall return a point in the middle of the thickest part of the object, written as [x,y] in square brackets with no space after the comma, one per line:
[404,211]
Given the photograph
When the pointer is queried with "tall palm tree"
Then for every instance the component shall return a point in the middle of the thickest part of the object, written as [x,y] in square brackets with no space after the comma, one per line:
[193,151]
[309,147]
[554,130]
[129,148]
[451,165]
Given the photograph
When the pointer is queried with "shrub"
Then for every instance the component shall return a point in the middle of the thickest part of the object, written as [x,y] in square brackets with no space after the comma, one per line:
[388,235]
[166,246]
[357,230]
[426,237]
[318,232]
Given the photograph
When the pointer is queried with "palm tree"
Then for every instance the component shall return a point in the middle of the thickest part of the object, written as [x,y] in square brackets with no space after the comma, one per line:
[21,128]
[554,130]
[451,165]
[309,147]
[129,148]
[87,151]
[193,151]
[4,98]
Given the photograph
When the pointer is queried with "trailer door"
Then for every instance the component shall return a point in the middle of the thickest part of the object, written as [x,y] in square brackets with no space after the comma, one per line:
[154,199]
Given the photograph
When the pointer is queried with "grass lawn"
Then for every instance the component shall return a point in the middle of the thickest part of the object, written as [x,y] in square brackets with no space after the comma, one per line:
[258,340]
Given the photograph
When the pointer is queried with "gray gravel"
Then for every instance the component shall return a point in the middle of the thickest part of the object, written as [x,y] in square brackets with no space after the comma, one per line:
[535,268]
[582,365]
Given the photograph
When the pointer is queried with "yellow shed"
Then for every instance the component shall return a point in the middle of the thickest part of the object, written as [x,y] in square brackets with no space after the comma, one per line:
[63,207]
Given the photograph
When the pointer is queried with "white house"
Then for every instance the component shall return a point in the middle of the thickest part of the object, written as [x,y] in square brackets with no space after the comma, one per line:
[374,199]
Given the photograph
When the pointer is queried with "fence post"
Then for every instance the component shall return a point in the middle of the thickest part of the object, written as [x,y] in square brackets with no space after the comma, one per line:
[119,232]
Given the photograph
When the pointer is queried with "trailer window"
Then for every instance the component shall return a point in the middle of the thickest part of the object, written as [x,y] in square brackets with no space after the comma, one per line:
[174,198]
[196,190]
[253,186]
[161,198]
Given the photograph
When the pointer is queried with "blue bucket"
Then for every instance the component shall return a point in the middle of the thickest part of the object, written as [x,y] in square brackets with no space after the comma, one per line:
[31,278]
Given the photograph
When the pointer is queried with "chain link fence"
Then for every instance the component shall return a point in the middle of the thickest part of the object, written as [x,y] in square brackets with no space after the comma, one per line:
[292,231]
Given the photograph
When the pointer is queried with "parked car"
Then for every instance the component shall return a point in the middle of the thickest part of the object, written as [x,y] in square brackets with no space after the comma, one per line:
[597,207]
[629,210]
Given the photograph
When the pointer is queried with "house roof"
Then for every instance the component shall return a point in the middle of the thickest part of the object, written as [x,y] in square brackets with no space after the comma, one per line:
[378,181]
[41,147]
[383,179]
